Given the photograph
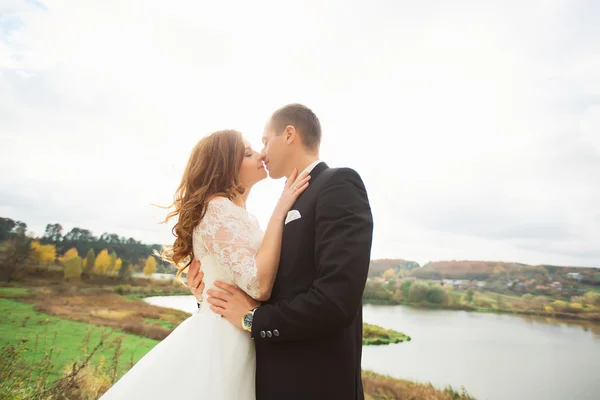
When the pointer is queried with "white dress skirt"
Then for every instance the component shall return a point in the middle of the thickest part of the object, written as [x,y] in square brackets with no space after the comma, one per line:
[206,357]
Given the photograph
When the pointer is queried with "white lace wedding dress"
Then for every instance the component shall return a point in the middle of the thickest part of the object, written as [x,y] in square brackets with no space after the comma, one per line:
[206,357]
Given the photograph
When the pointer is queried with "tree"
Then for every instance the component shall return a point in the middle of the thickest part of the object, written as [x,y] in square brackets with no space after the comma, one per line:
[79,235]
[73,268]
[539,302]
[405,288]
[14,255]
[150,266]
[117,266]
[398,297]
[43,253]
[20,229]
[418,291]
[90,259]
[592,298]
[389,273]
[102,262]
[469,296]
[53,233]
[126,271]
[111,266]
[71,253]
[437,295]
[6,227]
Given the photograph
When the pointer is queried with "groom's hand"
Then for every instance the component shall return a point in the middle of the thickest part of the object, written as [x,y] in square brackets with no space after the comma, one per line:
[231,304]
[195,280]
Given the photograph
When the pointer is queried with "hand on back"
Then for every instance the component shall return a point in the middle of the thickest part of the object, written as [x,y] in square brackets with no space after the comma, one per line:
[195,280]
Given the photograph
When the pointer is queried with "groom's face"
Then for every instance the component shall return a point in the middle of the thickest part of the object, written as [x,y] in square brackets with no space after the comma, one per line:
[274,152]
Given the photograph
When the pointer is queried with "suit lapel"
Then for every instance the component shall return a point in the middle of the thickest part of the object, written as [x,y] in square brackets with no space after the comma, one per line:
[314,174]
[311,190]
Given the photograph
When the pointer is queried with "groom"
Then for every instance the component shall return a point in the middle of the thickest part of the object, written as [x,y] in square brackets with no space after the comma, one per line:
[308,335]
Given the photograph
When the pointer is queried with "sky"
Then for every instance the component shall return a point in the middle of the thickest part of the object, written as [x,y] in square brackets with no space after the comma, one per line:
[474,125]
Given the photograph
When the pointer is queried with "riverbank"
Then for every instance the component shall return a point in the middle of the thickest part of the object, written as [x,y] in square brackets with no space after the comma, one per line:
[423,294]
[559,316]
[44,350]
[122,308]
[376,335]
[382,387]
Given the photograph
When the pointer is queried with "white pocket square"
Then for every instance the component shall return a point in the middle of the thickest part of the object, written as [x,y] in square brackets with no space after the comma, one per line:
[291,216]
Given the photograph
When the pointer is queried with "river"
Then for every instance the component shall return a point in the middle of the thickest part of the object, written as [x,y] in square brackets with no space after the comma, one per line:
[494,356]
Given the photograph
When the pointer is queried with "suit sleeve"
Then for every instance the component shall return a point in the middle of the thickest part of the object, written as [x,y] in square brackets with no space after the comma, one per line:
[343,237]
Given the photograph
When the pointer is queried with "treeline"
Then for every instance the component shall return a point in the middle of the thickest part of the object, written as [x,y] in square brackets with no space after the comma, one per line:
[128,249]
[586,306]
[78,251]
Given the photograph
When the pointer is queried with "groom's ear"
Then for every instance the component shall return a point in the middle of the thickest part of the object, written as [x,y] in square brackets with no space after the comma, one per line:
[291,134]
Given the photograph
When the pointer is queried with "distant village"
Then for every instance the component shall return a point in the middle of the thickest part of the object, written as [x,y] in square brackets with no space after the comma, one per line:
[550,284]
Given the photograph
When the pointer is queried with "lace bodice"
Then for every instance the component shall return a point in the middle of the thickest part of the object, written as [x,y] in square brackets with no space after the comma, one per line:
[226,242]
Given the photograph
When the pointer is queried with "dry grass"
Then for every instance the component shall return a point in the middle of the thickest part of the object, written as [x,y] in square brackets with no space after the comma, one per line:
[107,309]
[380,387]
[113,314]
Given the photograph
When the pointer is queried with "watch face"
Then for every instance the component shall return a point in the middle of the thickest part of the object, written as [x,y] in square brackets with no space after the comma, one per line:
[248,319]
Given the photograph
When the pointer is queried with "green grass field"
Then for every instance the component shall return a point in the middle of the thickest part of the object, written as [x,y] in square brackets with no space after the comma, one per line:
[19,322]
[12,292]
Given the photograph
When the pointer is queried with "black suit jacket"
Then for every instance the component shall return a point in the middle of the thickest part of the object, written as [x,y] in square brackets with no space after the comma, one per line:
[309,333]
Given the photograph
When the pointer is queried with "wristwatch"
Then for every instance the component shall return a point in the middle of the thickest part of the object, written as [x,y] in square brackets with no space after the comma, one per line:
[247,320]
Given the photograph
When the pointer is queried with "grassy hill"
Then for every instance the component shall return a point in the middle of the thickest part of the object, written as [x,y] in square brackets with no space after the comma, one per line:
[378,267]
[482,270]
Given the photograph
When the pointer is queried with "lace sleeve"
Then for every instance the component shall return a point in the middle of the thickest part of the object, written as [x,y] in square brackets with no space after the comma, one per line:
[230,238]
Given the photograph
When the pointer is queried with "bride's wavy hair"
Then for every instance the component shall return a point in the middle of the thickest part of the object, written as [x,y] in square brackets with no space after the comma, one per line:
[212,169]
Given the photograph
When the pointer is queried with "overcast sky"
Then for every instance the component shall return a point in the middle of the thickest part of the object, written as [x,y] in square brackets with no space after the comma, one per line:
[474,124]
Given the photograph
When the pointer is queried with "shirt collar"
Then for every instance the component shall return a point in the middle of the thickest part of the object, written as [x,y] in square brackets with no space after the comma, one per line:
[311,166]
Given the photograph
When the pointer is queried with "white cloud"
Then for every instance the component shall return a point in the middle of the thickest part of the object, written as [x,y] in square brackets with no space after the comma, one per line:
[474,125]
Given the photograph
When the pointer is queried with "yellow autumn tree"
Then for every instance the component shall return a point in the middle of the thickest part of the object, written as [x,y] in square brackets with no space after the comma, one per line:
[71,253]
[150,266]
[73,268]
[43,253]
[117,267]
[102,263]
[389,273]
[90,259]
[111,266]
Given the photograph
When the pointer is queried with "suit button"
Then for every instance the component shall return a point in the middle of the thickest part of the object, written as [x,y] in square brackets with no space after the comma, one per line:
[276,332]
[262,334]
[269,334]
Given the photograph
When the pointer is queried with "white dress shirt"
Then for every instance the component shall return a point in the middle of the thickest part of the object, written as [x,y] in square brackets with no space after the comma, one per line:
[311,167]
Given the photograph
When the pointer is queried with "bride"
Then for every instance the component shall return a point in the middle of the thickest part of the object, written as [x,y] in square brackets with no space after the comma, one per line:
[206,357]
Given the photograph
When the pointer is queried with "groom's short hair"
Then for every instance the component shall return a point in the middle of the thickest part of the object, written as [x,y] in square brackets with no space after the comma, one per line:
[303,119]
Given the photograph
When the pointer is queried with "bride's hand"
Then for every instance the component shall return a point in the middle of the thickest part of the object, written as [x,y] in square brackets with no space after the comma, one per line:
[294,187]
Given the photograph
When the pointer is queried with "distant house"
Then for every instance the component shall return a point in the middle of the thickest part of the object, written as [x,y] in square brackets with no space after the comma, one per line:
[157,276]
[457,283]
[555,284]
[574,275]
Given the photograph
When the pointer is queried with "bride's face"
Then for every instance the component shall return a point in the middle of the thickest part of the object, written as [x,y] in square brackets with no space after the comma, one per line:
[252,169]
